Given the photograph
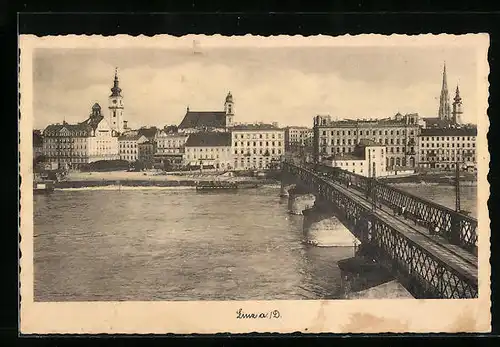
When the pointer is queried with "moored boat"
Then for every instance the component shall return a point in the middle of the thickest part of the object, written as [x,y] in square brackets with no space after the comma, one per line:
[41,187]
[216,185]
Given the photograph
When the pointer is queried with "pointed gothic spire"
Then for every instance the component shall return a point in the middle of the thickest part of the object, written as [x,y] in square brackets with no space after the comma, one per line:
[116,91]
[444,112]
[445,83]
[457,94]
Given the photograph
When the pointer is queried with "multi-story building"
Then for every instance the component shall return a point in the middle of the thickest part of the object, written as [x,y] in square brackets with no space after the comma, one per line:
[145,152]
[256,146]
[397,134]
[367,159]
[37,144]
[195,121]
[128,145]
[443,148]
[73,145]
[170,149]
[297,138]
[209,150]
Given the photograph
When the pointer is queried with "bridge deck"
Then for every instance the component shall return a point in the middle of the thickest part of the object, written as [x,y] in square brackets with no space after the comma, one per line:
[457,258]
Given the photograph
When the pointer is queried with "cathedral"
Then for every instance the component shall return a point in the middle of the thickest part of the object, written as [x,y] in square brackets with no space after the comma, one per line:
[445,113]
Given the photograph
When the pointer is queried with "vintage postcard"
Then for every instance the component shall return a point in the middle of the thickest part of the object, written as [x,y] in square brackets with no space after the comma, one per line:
[210,184]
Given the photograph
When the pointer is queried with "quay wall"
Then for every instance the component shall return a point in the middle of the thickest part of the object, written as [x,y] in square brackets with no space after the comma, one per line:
[146,183]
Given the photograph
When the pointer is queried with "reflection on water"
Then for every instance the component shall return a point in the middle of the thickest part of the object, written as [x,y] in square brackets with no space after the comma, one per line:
[177,245]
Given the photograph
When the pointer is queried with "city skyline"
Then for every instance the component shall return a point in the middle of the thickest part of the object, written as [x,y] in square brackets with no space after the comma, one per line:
[158,85]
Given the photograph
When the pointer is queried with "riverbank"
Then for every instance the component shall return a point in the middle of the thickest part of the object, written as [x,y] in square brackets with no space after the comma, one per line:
[150,179]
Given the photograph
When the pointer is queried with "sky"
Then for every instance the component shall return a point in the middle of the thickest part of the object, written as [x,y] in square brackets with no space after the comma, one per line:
[289,85]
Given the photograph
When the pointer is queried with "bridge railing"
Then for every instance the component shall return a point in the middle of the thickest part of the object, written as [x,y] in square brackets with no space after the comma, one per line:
[426,273]
[456,227]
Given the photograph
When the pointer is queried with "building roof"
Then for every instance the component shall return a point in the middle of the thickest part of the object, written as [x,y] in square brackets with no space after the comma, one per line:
[462,131]
[209,139]
[203,119]
[80,129]
[397,120]
[132,135]
[437,122]
[258,126]
[150,133]
[346,156]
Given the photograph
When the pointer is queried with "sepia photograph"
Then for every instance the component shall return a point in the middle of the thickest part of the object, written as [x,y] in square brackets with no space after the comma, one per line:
[314,184]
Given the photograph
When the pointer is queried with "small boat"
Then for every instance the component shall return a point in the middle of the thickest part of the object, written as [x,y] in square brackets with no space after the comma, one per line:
[43,187]
[216,185]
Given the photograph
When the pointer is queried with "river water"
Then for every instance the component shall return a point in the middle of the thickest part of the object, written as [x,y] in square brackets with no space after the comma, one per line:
[168,244]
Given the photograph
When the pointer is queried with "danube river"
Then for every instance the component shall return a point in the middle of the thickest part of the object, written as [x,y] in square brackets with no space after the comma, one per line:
[167,244]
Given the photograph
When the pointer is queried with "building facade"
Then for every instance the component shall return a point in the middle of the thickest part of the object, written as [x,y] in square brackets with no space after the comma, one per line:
[367,159]
[256,146]
[128,145]
[209,150]
[73,145]
[37,144]
[297,138]
[195,121]
[145,152]
[443,148]
[398,134]
[170,149]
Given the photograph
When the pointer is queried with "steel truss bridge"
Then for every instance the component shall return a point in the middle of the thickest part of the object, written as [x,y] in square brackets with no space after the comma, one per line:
[429,266]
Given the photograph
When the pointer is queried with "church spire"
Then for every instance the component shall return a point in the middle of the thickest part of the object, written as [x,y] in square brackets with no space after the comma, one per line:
[457,95]
[116,91]
[457,107]
[444,100]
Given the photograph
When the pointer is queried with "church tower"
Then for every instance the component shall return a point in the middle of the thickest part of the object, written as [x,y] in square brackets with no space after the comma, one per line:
[116,107]
[229,110]
[444,100]
[457,108]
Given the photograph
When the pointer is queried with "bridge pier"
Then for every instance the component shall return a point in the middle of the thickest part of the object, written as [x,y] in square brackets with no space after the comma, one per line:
[299,200]
[285,188]
[322,228]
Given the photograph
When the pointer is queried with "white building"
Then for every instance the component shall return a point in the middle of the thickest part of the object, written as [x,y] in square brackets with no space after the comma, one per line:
[256,146]
[297,138]
[442,148]
[170,149]
[73,145]
[173,143]
[366,155]
[211,150]
[128,145]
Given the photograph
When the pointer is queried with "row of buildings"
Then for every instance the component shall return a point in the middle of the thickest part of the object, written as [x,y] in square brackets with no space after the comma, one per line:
[399,143]
[212,139]
[207,139]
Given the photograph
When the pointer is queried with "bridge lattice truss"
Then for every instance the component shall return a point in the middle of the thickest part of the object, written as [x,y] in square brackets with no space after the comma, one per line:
[422,272]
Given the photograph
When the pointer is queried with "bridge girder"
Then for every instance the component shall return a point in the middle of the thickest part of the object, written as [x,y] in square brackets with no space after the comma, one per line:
[425,275]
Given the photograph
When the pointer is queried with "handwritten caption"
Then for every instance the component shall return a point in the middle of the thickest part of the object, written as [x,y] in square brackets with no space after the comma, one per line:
[274,314]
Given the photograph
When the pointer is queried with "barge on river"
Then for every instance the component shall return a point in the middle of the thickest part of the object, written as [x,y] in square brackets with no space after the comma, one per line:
[223,185]
[216,185]
[43,187]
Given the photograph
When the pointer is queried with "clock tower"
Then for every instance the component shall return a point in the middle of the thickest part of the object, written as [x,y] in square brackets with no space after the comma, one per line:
[116,106]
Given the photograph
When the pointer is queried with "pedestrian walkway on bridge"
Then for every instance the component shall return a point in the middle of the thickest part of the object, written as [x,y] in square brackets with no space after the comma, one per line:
[461,260]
